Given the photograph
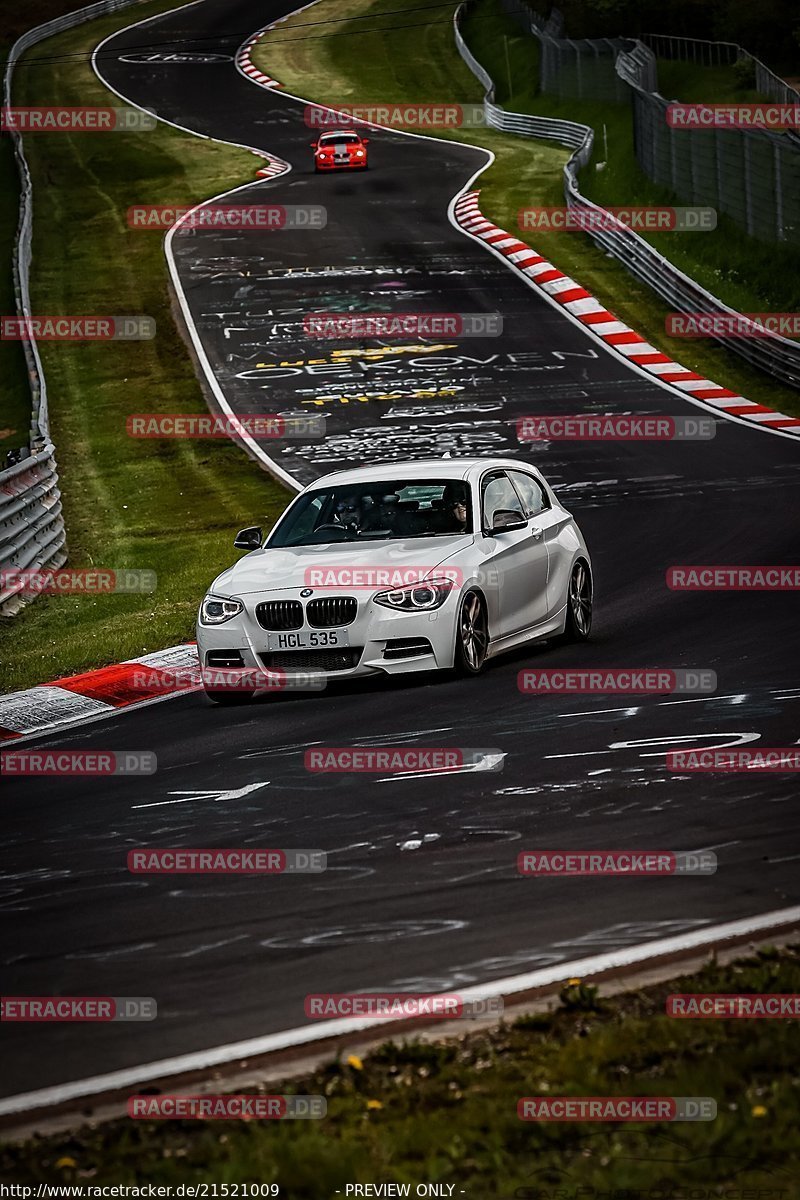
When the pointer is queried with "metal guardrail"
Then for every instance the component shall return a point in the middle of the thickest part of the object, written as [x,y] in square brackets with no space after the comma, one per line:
[31,522]
[637,66]
[32,533]
[778,356]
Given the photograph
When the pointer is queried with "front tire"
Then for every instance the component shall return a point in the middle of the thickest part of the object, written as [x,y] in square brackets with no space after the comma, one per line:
[579,603]
[229,698]
[472,635]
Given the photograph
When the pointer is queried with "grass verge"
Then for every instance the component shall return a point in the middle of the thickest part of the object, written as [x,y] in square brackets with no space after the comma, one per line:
[415,59]
[15,412]
[168,506]
[445,1111]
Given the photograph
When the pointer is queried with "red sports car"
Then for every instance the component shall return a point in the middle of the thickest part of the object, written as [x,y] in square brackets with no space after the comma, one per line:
[342,148]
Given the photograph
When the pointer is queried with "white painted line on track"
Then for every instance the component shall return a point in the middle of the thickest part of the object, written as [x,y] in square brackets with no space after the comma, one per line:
[216,1056]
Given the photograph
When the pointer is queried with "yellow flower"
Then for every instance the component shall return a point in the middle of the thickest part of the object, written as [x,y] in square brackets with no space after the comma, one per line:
[758,1110]
[573,982]
[374,1104]
[355,1062]
[66,1162]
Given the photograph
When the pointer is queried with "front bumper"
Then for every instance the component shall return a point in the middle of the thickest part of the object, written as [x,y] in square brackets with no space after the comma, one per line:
[381,640]
[330,165]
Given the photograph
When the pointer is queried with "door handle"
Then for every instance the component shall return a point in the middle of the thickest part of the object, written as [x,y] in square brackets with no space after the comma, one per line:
[537,534]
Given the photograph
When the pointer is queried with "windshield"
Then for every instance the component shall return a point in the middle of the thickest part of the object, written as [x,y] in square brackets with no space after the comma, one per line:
[386,509]
[328,138]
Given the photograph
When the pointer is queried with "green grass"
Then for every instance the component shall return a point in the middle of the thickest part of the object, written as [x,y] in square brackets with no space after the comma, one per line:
[15,408]
[339,63]
[445,1112]
[693,83]
[170,506]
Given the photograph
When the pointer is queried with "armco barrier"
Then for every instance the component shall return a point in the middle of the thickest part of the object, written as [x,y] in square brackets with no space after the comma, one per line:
[778,356]
[31,522]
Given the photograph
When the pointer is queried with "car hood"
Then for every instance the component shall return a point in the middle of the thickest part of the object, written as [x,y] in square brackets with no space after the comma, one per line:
[276,570]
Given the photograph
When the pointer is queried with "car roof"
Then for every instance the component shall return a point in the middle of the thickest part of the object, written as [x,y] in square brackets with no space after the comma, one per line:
[336,132]
[419,468]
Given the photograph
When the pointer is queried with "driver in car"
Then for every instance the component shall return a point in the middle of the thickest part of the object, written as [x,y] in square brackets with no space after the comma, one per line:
[348,513]
[451,515]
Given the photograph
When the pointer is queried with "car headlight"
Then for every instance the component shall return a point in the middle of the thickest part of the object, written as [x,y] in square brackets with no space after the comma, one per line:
[359,153]
[215,610]
[417,597]
[322,154]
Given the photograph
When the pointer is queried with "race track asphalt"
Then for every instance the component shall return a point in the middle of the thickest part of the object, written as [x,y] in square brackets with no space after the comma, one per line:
[422,890]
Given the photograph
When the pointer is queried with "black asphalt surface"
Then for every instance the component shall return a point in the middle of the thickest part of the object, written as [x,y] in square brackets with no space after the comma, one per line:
[422,891]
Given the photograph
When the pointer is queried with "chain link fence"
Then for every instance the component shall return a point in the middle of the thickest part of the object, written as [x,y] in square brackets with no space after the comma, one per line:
[751,175]
[32,534]
[577,69]
[778,356]
[721,54]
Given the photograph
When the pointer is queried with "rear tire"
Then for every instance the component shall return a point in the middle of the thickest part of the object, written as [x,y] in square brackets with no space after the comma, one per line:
[472,635]
[578,625]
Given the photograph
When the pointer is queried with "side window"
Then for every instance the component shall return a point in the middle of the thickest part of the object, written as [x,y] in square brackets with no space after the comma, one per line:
[531,491]
[498,494]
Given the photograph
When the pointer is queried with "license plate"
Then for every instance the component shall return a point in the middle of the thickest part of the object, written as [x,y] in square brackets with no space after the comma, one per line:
[308,639]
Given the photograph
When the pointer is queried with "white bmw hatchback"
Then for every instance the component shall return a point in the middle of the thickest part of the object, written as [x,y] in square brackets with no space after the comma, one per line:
[431,564]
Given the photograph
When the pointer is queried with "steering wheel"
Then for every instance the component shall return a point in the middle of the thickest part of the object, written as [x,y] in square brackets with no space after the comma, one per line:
[333,529]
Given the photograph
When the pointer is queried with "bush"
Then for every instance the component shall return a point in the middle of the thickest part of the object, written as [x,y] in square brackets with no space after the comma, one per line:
[744,71]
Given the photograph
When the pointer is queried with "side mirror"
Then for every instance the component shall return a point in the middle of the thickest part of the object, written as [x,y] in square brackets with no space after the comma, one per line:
[505,519]
[313,145]
[249,539]
[365,141]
